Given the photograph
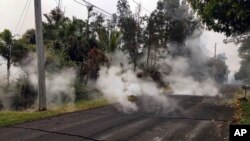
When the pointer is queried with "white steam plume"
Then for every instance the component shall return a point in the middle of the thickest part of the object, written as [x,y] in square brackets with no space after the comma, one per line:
[119,81]
[59,86]
[183,83]
[185,75]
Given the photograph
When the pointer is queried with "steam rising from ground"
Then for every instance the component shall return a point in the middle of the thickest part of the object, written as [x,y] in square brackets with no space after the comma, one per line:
[185,76]
[183,83]
[59,85]
[119,81]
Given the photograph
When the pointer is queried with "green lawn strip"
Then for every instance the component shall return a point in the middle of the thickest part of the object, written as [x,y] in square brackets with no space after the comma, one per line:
[11,117]
[242,108]
[245,107]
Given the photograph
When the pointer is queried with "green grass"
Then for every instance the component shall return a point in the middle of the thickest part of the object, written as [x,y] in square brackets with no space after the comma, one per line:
[242,108]
[10,117]
[245,107]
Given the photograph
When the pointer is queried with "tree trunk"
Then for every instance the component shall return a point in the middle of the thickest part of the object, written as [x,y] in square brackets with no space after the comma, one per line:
[155,56]
[87,25]
[149,51]
[8,72]
[135,65]
[87,29]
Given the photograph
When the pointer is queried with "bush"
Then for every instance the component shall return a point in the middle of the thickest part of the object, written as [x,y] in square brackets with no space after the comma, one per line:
[132,98]
[25,96]
[81,92]
[85,93]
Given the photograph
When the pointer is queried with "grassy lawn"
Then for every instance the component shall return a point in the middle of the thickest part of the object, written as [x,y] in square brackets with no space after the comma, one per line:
[10,118]
[243,108]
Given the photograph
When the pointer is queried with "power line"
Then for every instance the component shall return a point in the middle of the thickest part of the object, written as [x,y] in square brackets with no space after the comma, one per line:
[97,7]
[25,15]
[87,3]
[22,15]
[80,3]
[141,6]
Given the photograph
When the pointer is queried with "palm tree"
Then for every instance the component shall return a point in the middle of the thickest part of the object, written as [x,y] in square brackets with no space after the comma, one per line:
[12,50]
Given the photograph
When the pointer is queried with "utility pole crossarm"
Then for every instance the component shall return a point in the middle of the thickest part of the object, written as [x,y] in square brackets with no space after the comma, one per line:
[40,55]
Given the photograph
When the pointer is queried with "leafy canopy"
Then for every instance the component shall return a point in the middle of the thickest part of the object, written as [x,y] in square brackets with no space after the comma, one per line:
[231,17]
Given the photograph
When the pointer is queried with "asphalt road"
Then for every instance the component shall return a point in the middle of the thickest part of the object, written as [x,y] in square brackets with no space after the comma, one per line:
[189,118]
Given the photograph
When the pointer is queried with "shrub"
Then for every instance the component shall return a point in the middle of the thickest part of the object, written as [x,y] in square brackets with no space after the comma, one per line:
[25,96]
[132,98]
[84,93]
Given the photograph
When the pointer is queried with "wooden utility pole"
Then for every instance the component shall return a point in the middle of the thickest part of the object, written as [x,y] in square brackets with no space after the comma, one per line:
[40,55]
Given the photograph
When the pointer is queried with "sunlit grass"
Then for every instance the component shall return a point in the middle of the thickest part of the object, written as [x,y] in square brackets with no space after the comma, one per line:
[245,107]
[242,108]
[11,117]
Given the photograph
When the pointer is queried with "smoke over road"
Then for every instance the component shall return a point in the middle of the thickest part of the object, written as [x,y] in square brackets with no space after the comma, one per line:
[184,75]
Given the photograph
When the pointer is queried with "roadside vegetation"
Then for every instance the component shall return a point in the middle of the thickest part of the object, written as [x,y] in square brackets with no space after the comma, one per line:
[85,45]
[14,117]
[242,106]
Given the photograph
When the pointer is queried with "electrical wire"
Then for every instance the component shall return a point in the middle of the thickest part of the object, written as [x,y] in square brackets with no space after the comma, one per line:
[97,7]
[101,10]
[141,6]
[21,15]
[25,15]
[80,3]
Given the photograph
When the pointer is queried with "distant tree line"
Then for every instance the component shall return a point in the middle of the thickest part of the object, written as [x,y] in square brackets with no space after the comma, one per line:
[84,44]
[231,17]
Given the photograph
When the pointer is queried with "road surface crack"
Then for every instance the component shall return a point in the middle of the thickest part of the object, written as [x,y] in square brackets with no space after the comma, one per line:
[54,132]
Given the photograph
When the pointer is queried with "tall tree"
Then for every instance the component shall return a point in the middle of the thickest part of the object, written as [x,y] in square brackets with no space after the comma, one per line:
[155,33]
[12,50]
[100,31]
[114,34]
[218,68]
[228,16]
[244,52]
[130,28]
[181,25]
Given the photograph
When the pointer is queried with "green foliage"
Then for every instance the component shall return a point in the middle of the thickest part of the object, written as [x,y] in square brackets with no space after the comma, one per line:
[6,37]
[25,95]
[228,16]
[244,72]
[10,118]
[83,92]
[114,41]
[131,30]
[169,26]
[245,106]
[218,69]
[132,98]
[182,23]
[123,9]
[29,37]
[96,58]
[12,50]
[83,43]
[5,43]
[73,41]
